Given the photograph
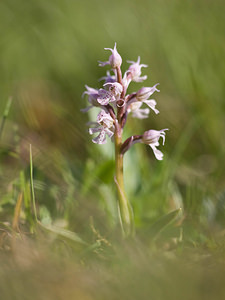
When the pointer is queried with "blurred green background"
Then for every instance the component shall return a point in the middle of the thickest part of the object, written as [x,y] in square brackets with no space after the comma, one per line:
[49,51]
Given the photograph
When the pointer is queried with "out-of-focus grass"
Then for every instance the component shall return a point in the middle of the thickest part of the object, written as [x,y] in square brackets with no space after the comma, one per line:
[48,52]
[127,271]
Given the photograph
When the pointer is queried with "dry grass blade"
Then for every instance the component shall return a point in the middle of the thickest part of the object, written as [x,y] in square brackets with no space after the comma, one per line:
[15,224]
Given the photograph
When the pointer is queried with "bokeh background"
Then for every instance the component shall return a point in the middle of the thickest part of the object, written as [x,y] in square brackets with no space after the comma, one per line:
[49,51]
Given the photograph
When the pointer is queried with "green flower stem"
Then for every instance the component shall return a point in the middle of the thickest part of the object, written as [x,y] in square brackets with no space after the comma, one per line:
[125,209]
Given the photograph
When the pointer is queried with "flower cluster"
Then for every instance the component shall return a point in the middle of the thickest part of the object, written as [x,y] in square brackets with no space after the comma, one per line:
[116,105]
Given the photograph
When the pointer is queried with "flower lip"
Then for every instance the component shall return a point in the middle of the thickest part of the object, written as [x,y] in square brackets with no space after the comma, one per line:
[105,118]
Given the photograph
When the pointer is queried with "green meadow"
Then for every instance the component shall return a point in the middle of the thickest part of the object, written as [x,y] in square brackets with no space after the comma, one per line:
[60,236]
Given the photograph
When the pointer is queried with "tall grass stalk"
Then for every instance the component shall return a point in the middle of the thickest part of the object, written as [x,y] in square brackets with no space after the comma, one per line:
[32,185]
[5,115]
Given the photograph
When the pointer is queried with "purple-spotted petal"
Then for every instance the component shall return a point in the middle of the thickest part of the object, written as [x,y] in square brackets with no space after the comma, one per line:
[100,139]
[104,97]
[94,130]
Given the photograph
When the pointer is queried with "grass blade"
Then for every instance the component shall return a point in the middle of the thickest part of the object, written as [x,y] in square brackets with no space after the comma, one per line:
[15,224]
[162,223]
[5,115]
[64,233]
[32,185]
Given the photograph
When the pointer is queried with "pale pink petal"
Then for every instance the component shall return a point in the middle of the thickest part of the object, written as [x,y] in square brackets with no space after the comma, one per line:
[152,103]
[94,130]
[157,152]
[103,63]
[84,110]
[140,79]
[109,132]
[100,139]
[141,113]
[104,97]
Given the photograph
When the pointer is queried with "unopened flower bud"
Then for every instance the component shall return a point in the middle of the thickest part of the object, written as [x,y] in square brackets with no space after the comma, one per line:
[115,59]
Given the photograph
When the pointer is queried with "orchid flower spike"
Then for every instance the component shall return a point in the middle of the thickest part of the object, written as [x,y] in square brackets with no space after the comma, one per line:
[115,105]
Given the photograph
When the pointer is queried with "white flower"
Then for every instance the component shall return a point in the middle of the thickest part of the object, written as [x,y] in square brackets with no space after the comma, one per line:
[134,72]
[104,125]
[134,105]
[142,113]
[151,137]
[115,59]
[145,92]
[112,94]
[138,112]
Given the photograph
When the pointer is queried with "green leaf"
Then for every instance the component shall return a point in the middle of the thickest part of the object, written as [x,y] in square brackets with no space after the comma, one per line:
[164,222]
[106,171]
[64,233]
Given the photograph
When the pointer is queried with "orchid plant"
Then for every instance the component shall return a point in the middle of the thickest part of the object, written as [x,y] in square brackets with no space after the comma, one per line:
[115,105]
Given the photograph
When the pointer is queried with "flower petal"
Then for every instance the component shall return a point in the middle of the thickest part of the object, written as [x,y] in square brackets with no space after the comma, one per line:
[104,97]
[109,132]
[86,109]
[103,63]
[141,113]
[157,152]
[94,130]
[151,103]
[100,139]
